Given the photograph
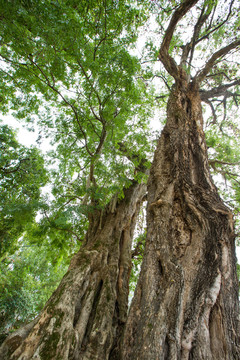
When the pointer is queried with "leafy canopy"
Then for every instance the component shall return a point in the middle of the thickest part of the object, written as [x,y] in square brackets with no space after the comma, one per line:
[67,65]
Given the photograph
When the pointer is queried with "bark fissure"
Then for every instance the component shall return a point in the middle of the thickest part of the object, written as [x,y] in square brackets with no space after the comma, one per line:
[78,304]
[92,315]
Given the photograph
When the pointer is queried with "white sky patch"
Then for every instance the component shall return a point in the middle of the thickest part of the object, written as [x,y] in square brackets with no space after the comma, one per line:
[238,253]
[25,136]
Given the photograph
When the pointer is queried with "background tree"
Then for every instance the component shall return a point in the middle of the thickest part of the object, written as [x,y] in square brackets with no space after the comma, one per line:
[92,96]
[22,174]
[186,302]
[28,278]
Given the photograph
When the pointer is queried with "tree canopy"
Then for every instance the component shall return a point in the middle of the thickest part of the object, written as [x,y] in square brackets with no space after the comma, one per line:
[86,91]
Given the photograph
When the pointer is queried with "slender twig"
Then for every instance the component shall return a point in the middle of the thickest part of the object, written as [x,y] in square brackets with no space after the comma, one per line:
[206,36]
[208,102]
[220,162]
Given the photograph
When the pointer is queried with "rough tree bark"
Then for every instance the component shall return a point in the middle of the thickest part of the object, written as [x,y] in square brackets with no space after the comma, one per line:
[186,301]
[84,317]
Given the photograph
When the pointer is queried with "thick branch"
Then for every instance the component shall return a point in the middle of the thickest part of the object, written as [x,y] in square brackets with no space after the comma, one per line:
[168,62]
[218,91]
[202,19]
[102,140]
[218,54]
[97,153]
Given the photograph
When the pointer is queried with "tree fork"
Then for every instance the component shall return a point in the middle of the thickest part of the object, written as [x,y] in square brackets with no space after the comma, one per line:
[85,316]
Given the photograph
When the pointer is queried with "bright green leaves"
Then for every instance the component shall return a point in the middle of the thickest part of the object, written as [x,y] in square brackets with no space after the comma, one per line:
[22,174]
[28,278]
[57,42]
[68,65]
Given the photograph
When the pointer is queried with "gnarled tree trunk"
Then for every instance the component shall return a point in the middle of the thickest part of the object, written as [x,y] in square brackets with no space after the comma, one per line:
[84,317]
[186,301]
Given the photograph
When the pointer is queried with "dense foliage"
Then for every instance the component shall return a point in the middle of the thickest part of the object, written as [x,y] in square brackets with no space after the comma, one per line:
[28,278]
[86,91]
[22,174]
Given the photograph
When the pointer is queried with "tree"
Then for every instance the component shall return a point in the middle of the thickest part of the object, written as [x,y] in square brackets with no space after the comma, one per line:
[22,174]
[186,302]
[89,78]
[85,91]
[96,85]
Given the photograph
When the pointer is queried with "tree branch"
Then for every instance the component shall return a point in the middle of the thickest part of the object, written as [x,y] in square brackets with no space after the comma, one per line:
[218,91]
[189,47]
[202,19]
[215,161]
[208,102]
[220,73]
[218,54]
[7,170]
[168,62]
[218,26]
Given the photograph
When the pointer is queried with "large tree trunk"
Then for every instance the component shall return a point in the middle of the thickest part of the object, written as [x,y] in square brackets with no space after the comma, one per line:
[186,301]
[85,316]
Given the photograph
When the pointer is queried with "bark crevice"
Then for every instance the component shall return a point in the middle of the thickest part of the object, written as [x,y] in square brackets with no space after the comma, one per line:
[92,314]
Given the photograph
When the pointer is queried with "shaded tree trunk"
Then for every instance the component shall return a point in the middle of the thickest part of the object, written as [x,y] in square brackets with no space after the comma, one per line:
[84,317]
[186,301]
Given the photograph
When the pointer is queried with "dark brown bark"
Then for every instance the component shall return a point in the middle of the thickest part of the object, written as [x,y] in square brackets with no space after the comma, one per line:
[218,91]
[85,316]
[186,301]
